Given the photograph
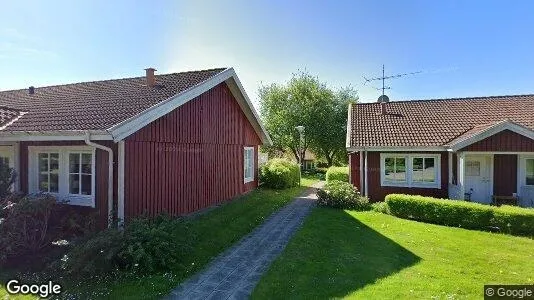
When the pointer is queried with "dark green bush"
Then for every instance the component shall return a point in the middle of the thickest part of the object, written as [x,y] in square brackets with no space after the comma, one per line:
[513,220]
[339,194]
[338,173]
[144,246]
[29,225]
[280,173]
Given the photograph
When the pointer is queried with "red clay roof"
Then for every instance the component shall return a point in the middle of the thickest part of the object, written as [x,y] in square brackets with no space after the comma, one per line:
[96,105]
[430,123]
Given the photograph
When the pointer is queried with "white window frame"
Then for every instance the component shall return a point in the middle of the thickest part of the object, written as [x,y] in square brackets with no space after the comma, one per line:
[63,188]
[522,170]
[250,163]
[409,169]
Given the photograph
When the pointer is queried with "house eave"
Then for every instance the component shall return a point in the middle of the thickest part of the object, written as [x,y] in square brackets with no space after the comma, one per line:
[397,149]
[60,135]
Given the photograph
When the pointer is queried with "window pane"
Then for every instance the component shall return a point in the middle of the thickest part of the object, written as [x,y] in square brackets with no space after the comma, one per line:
[54,163]
[54,183]
[389,172]
[86,184]
[417,172]
[43,182]
[74,184]
[429,174]
[530,172]
[4,161]
[472,168]
[43,162]
[74,163]
[418,163]
[400,169]
[86,163]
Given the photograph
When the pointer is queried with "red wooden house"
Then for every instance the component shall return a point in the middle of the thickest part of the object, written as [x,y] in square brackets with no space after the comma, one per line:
[172,143]
[478,149]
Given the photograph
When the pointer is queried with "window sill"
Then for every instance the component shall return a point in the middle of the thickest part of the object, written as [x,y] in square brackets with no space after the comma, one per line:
[406,185]
[247,180]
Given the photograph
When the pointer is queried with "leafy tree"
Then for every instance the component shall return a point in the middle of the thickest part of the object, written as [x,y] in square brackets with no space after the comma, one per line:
[305,101]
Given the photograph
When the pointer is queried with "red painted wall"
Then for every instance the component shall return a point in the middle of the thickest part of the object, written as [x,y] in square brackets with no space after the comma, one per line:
[505,140]
[189,159]
[504,174]
[378,193]
[101,172]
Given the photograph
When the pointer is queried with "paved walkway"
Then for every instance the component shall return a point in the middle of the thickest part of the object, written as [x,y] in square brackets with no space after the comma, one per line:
[235,273]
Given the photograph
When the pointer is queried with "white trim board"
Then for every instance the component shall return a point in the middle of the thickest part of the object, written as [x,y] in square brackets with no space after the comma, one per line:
[397,149]
[128,127]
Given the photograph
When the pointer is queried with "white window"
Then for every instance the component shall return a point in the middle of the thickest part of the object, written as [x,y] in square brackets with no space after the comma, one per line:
[410,170]
[248,164]
[67,172]
[529,172]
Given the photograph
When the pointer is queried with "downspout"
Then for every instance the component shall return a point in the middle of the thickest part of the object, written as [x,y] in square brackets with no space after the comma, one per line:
[110,174]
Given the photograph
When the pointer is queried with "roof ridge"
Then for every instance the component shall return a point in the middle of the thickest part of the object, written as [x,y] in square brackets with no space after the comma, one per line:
[451,99]
[113,79]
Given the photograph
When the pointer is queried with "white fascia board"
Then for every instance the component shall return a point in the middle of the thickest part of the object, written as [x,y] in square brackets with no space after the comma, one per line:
[247,107]
[397,149]
[63,135]
[128,127]
[486,133]
[349,127]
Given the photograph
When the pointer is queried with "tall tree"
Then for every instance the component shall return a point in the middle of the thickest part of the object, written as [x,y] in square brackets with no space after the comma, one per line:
[329,142]
[305,101]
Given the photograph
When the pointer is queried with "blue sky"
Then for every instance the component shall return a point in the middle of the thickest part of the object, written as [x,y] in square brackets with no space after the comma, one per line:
[464,48]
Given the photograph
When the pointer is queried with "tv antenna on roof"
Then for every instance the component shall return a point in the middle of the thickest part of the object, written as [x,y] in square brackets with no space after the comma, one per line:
[383,78]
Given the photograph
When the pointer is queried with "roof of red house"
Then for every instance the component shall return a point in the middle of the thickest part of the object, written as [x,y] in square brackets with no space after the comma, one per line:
[434,123]
[96,105]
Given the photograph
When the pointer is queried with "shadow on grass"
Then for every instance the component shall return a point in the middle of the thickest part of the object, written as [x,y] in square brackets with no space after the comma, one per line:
[332,256]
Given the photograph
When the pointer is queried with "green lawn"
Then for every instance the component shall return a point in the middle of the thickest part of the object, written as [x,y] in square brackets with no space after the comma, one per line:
[214,232]
[368,255]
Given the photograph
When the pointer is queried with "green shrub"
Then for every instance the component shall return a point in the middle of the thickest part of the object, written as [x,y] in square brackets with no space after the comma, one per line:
[337,173]
[280,173]
[380,207]
[513,220]
[29,225]
[144,246]
[339,194]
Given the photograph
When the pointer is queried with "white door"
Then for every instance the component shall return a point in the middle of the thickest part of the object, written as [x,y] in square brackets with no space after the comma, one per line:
[478,178]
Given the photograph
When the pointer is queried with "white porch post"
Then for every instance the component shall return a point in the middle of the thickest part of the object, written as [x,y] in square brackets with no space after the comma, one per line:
[461,174]
[366,175]
[361,173]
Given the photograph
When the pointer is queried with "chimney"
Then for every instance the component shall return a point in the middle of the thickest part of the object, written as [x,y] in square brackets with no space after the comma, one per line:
[150,78]
[383,100]
[31,90]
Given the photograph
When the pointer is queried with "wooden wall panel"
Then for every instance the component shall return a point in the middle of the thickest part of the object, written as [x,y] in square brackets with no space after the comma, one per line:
[504,174]
[189,159]
[503,141]
[354,165]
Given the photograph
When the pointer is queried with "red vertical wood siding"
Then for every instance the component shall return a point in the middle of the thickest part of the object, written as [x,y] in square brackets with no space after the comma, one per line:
[505,140]
[504,174]
[101,174]
[378,192]
[189,159]
[354,164]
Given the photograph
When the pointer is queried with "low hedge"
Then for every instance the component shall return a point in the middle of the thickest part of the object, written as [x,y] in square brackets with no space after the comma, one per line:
[506,219]
[337,173]
[279,173]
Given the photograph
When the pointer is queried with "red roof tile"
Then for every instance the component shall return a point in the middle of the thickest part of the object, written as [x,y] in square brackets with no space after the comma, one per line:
[96,105]
[429,123]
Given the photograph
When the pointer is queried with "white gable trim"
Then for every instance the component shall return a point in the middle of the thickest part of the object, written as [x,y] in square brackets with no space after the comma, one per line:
[349,127]
[128,127]
[492,130]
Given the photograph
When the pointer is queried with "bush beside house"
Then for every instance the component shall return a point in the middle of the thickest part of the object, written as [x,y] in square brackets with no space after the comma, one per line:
[279,173]
[339,194]
[506,219]
[337,173]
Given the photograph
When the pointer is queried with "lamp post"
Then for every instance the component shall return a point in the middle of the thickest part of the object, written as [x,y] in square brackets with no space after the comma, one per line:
[300,129]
